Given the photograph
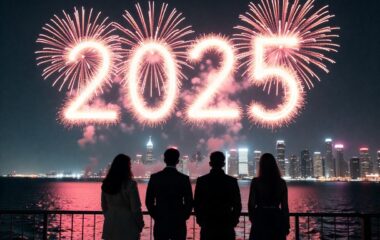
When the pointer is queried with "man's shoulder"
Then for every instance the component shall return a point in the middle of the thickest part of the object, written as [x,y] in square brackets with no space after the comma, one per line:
[230,178]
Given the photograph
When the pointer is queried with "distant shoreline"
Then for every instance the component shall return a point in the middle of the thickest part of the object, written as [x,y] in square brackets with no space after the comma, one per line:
[193,180]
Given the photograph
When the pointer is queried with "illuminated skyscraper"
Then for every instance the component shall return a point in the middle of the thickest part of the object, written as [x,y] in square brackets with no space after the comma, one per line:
[149,151]
[280,150]
[196,157]
[355,168]
[243,162]
[251,165]
[138,158]
[365,162]
[184,165]
[317,165]
[233,161]
[257,156]
[294,166]
[329,159]
[306,164]
[340,163]
[378,162]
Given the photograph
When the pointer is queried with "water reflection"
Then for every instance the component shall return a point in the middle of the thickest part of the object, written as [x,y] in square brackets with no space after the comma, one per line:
[77,195]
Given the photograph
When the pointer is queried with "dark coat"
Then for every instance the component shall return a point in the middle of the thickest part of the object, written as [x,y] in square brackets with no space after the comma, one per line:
[217,201]
[169,200]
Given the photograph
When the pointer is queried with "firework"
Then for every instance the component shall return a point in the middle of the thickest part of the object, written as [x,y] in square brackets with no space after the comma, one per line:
[293,99]
[156,52]
[280,18]
[72,113]
[61,35]
[80,52]
[166,28]
[152,115]
[198,111]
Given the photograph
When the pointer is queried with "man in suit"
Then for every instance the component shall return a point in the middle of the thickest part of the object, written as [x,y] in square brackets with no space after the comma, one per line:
[169,199]
[217,202]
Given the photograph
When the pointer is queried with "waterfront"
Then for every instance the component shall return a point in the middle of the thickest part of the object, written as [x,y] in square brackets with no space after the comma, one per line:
[53,194]
[304,196]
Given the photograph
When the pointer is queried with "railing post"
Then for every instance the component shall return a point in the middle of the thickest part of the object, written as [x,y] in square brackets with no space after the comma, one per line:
[45,224]
[297,227]
[366,227]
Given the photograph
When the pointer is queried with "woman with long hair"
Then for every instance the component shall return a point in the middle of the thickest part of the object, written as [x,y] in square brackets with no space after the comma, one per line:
[121,203]
[268,202]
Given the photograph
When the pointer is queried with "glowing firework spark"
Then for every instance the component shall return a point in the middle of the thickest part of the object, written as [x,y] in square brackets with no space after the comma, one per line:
[279,18]
[156,115]
[61,35]
[72,113]
[167,29]
[293,93]
[197,111]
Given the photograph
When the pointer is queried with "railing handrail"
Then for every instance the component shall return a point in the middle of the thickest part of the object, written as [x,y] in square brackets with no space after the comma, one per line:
[292,214]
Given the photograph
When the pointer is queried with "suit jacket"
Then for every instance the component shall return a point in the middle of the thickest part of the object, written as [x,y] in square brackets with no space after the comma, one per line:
[217,201]
[169,197]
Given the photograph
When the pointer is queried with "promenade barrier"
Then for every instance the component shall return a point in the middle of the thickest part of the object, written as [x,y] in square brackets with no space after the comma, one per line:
[87,225]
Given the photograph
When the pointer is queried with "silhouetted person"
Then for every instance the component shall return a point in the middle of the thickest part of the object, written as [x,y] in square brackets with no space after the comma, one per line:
[268,202]
[217,202]
[121,204]
[169,199]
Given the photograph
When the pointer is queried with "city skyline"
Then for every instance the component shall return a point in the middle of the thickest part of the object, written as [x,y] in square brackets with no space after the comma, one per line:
[243,161]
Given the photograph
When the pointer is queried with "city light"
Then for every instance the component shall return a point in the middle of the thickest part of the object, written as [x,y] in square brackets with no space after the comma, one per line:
[338,146]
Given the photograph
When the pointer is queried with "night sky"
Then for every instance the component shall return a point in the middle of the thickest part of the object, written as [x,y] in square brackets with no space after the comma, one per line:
[343,106]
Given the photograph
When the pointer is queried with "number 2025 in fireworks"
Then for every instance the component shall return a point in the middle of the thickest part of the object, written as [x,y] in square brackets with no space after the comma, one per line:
[85,52]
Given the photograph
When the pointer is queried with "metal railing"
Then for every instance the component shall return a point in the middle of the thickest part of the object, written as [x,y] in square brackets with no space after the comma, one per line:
[56,224]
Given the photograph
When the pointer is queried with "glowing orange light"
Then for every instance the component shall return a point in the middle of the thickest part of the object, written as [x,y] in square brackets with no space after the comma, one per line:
[197,111]
[143,113]
[72,112]
[293,93]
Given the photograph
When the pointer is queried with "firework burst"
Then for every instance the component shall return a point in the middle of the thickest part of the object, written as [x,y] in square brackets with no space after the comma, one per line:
[280,18]
[166,29]
[63,34]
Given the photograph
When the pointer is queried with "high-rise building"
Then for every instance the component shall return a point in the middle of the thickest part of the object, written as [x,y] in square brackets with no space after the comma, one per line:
[287,167]
[280,150]
[341,165]
[378,162]
[184,165]
[251,165]
[138,158]
[355,168]
[149,151]
[365,162]
[233,161]
[294,166]
[329,159]
[243,162]
[196,157]
[306,164]
[257,156]
[317,165]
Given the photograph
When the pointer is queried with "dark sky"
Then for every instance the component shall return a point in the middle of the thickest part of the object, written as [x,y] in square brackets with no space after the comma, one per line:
[344,105]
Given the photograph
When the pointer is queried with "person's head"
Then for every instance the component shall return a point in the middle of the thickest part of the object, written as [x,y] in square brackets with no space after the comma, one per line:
[119,172]
[171,157]
[217,160]
[268,168]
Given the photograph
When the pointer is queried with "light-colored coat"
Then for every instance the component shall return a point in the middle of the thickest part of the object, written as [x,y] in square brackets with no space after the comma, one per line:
[123,218]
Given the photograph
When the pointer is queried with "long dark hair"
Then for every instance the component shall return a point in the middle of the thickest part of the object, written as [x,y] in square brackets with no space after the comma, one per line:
[268,169]
[119,172]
